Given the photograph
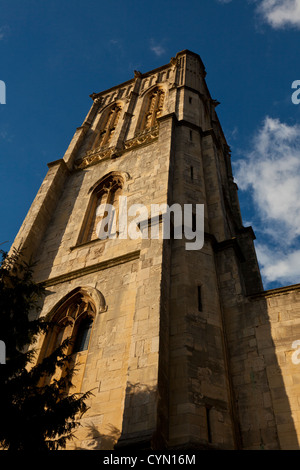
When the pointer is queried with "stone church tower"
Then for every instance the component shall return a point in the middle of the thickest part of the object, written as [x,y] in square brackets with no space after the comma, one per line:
[181,348]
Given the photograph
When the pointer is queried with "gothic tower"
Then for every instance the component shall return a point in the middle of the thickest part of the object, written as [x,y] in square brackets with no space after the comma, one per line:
[168,339]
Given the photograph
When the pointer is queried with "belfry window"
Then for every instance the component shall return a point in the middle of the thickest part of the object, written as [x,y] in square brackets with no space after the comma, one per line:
[102,214]
[154,107]
[108,127]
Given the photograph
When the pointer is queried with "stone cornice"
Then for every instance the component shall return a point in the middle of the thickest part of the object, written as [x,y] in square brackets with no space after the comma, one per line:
[60,162]
[165,117]
[248,230]
[142,139]
[275,292]
[173,62]
[91,269]
[211,132]
[93,157]
[224,245]
[137,74]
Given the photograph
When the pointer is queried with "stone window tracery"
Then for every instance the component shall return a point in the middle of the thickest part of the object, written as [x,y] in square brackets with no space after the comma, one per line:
[154,107]
[103,211]
[108,127]
[74,320]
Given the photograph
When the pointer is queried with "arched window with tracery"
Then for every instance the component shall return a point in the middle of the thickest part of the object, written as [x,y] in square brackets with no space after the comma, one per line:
[108,126]
[153,108]
[101,218]
[74,320]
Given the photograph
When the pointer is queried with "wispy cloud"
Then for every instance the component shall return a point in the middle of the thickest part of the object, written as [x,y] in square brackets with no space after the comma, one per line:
[280,13]
[4,135]
[115,44]
[4,30]
[271,172]
[158,49]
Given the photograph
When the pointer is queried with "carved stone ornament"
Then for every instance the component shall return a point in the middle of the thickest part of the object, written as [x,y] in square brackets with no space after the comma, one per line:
[98,100]
[94,156]
[142,138]
[174,61]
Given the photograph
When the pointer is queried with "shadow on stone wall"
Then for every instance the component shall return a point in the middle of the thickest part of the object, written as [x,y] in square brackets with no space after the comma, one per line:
[141,419]
[54,233]
[138,427]
[261,403]
[265,369]
[95,440]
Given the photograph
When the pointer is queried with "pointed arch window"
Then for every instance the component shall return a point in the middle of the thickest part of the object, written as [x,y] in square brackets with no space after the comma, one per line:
[83,335]
[153,110]
[74,319]
[102,214]
[107,129]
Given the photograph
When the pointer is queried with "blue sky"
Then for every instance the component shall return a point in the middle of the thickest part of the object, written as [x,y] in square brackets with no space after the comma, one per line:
[54,54]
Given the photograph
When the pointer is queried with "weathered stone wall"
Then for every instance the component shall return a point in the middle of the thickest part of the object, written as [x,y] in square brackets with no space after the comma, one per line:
[278,346]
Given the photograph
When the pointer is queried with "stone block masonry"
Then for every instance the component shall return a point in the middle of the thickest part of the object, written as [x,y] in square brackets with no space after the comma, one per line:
[186,350]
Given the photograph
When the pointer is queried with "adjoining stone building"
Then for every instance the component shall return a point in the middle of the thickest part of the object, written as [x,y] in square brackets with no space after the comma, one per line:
[183,349]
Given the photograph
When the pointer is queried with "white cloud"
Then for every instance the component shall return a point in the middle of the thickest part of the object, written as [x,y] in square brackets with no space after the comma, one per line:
[277,13]
[158,49]
[271,172]
[277,266]
[280,13]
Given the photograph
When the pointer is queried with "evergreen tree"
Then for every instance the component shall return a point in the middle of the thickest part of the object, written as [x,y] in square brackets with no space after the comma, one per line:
[35,414]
